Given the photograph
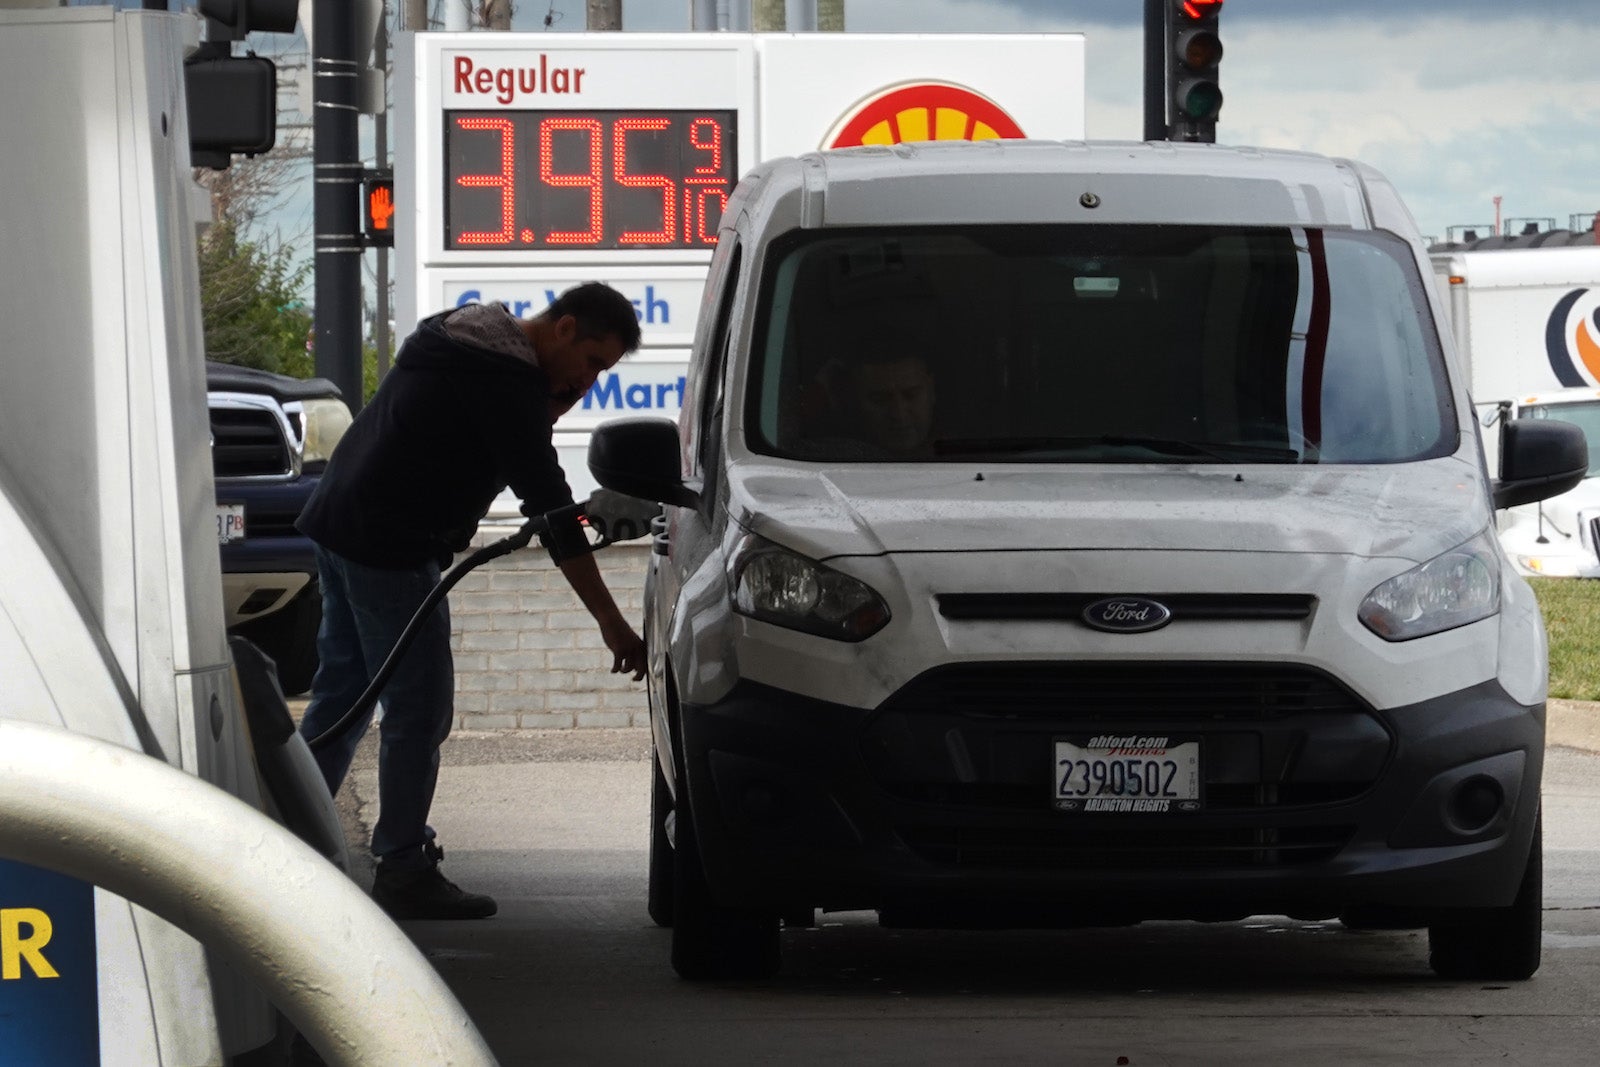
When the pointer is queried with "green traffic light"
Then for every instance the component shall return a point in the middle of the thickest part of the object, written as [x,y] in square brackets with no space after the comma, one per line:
[1200,100]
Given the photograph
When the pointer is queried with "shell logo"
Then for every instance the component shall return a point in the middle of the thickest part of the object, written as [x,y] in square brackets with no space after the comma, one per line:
[924,111]
[1565,339]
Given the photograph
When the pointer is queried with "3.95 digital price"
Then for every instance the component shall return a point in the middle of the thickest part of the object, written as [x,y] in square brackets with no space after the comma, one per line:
[576,180]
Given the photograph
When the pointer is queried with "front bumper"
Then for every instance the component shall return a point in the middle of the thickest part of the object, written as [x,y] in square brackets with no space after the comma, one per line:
[1314,803]
[267,569]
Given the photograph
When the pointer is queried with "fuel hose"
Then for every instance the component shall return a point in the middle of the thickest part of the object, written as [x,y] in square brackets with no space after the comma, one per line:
[363,705]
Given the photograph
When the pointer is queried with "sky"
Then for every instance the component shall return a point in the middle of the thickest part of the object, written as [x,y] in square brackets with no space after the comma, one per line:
[1456,101]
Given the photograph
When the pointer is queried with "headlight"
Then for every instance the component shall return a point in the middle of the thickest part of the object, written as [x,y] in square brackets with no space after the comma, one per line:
[326,421]
[1450,590]
[786,589]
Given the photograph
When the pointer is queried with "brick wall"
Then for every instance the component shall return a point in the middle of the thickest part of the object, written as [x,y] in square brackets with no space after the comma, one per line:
[528,655]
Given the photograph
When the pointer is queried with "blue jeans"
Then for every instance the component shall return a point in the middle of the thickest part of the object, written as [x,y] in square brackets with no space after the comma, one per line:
[364,611]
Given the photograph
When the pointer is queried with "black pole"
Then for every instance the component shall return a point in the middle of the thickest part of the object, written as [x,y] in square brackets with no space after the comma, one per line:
[335,76]
[1155,69]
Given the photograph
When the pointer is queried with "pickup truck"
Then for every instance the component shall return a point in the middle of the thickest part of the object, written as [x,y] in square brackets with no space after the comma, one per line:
[271,436]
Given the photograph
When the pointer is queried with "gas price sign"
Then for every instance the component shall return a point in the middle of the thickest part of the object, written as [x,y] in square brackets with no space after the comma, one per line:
[587,179]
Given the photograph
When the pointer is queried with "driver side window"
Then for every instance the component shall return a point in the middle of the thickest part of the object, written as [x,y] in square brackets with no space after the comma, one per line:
[702,412]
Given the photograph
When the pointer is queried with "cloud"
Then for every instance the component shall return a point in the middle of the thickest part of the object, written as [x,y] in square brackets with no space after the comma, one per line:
[1453,113]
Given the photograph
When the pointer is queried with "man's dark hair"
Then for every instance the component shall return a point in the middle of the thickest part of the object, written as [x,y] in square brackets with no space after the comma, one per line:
[600,310]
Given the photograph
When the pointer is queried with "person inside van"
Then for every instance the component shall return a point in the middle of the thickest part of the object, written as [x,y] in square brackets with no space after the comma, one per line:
[883,403]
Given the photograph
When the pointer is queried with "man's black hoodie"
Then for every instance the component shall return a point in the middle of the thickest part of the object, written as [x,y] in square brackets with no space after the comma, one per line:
[451,425]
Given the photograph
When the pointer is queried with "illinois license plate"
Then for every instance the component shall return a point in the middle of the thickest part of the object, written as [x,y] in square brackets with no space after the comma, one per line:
[1135,773]
[230,523]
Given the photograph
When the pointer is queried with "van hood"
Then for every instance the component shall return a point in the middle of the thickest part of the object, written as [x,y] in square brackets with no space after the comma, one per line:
[1410,510]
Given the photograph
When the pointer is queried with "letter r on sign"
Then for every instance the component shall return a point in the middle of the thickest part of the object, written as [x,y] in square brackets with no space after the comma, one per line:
[14,948]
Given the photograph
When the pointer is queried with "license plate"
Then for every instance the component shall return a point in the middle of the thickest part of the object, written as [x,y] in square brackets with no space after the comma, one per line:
[1139,774]
[230,523]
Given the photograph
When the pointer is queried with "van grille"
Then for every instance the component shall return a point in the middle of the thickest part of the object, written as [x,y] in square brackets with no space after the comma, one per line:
[1278,742]
[1212,607]
[1196,691]
[248,443]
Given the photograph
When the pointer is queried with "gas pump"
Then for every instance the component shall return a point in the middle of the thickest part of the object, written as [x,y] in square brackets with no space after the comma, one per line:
[151,899]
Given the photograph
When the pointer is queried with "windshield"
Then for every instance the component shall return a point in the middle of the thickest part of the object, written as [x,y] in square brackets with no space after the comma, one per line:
[1584,415]
[1096,344]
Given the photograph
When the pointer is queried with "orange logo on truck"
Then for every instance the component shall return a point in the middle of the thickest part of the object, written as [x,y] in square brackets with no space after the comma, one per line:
[1585,370]
[927,111]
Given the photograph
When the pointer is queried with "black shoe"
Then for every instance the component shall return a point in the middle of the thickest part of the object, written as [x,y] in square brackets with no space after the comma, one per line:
[427,894]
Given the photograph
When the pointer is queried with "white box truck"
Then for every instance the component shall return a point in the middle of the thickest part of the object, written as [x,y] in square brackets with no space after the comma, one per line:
[1526,322]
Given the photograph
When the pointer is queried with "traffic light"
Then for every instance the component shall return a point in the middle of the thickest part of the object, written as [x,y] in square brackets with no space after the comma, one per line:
[233,100]
[377,208]
[230,20]
[1194,52]
[233,107]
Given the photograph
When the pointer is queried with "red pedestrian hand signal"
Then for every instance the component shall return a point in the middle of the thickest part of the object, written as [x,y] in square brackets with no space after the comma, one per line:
[380,207]
[377,197]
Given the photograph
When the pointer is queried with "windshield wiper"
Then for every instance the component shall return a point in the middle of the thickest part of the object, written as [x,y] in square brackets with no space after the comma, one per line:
[988,446]
[1222,451]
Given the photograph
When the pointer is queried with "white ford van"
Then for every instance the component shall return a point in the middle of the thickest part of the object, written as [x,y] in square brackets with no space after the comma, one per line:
[1081,533]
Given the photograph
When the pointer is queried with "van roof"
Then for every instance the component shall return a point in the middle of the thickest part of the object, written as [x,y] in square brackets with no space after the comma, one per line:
[1028,181]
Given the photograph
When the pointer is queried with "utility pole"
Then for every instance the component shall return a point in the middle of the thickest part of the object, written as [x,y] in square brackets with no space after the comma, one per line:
[830,16]
[604,15]
[380,146]
[497,14]
[416,15]
[1155,70]
[336,82]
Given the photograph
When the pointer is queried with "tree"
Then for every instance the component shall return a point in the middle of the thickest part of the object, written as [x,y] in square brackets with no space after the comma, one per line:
[250,287]
[250,303]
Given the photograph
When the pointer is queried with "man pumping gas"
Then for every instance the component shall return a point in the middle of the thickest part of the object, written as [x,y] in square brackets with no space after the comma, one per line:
[467,410]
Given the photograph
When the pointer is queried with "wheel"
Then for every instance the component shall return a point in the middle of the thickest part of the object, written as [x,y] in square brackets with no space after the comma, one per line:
[659,893]
[1500,944]
[289,637]
[710,941]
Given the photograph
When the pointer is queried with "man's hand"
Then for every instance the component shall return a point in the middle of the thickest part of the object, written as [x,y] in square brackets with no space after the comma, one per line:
[627,649]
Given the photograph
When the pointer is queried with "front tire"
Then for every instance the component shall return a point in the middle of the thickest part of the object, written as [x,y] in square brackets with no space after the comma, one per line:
[659,895]
[710,941]
[1495,944]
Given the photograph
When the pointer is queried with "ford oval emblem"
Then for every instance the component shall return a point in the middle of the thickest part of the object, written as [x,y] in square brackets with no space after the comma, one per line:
[1126,614]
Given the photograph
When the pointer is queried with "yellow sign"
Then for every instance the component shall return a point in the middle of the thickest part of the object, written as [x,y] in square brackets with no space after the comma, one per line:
[24,932]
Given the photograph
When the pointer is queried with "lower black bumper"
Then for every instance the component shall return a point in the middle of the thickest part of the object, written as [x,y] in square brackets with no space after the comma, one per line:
[1313,805]
[271,544]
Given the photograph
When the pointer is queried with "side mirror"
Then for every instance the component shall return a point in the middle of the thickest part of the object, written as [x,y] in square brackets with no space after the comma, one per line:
[639,457]
[1539,459]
